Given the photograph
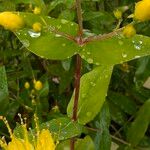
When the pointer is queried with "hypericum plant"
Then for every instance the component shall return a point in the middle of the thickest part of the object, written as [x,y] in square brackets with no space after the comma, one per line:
[59,39]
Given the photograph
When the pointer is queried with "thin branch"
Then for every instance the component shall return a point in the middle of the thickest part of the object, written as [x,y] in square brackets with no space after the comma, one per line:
[120,140]
[57,32]
[72,143]
[77,86]
[79,40]
[102,37]
[79,15]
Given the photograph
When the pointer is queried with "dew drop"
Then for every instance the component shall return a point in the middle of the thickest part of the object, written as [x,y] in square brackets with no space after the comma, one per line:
[141,42]
[18,33]
[137,57]
[120,42]
[57,35]
[58,26]
[72,24]
[82,56]
[63,21]
[88,53]
[138,47]
[124,55]
[64,44]
[93,84]
[137,44]
[89,114]
[90,60]
[25,43]
[97,64]
[34,34]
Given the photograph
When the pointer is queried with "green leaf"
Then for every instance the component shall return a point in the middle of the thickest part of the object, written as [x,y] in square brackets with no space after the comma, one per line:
[125,103]
[85,143]
[47,44]
[3,80]
[102,138]
[117,114]
[63,127]
[116,50]
[93,90]
[63,145]
[80,144]
[138,128]
[4,101]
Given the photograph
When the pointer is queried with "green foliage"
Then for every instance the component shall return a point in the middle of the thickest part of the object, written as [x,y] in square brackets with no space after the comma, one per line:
[140,124]
[90,102]
[102,138]
[4,101]
[61,128]
[116,50]
[113,101]
[53,45]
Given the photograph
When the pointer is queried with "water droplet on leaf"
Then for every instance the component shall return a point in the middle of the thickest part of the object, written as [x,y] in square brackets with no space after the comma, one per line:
[89,114]
[120,42]
[63,21]
[124,55]
[57,35]
[88,53]
[25,43]
[34,34]
[90,60]
[64,44]
[92,83]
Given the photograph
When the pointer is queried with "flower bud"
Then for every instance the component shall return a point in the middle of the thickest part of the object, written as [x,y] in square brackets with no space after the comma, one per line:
[27,85]
[11,21]
[129,31]
[38,85]
[142,10]
[37,10]
[37,27]
[118,14]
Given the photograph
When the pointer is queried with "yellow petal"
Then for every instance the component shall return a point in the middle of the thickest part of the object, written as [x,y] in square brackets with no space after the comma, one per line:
[18,144]
[45,141]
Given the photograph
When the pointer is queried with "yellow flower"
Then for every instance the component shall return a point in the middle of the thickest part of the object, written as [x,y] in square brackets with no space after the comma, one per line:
[118,14]
[129,31]
[11,21]
[19,144]
[38,85]
[45,141]
[37,27]
[27,85]
[37,10]
[142,10]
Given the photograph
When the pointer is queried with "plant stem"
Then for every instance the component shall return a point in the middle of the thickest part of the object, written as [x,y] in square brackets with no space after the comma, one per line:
[77,69]
[77,86]
[80,19]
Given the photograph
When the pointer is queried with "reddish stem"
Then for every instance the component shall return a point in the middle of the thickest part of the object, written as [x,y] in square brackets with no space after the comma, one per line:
[77,86]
